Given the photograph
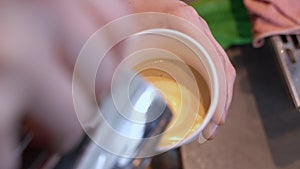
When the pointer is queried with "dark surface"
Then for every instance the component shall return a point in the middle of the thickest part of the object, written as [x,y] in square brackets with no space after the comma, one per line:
[280,119]
[262,130]
[168,160]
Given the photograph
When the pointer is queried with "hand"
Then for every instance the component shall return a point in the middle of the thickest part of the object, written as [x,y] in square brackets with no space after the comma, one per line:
[219,117]
[182,10]
[40,41]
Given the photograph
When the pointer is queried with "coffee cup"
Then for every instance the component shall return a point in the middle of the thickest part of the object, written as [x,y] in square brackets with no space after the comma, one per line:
[183,71]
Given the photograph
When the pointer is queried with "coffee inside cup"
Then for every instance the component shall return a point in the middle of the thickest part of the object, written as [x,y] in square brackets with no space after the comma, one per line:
[174,92]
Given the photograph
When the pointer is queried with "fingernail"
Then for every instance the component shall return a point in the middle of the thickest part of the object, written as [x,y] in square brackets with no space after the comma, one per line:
[222,120]
[213,130]
[201,139]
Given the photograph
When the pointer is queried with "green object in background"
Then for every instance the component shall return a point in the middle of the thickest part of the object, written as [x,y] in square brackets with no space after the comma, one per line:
[227,19]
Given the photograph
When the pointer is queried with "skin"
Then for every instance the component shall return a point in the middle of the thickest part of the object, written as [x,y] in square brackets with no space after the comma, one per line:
[182,10]
[40,41]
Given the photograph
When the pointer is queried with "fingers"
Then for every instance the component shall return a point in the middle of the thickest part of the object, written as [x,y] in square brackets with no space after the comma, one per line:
[73,27]
[101,10]
[230,76]
[52,117]
[221,114]
[210,131]
[219,119]
[76,22]
[10,111]
[191,15]
[51,112]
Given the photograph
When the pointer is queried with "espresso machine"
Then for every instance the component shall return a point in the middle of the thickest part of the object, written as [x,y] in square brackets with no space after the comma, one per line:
[287,50]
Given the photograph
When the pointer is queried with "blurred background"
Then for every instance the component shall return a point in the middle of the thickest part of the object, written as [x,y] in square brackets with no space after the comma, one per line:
[263,126]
